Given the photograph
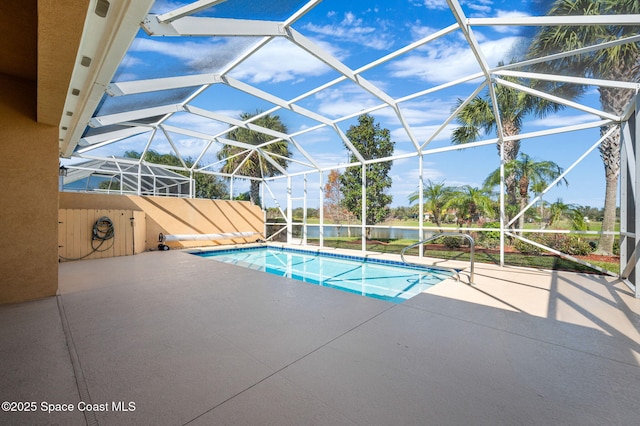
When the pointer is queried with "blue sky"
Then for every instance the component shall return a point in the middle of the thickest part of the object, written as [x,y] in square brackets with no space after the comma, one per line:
[356,33]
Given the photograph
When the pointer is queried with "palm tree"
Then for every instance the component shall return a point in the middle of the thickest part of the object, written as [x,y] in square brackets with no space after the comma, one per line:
[477,118]
[572,212]
[251,163]
[435,196]
[615,63]
[526,171]
[557,210]
[538,188]
[470,203]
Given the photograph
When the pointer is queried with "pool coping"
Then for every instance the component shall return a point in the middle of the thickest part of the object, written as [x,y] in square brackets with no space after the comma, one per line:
[334,255]
[461,267]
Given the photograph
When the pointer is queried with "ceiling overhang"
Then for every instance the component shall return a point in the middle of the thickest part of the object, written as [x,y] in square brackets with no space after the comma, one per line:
[110,27]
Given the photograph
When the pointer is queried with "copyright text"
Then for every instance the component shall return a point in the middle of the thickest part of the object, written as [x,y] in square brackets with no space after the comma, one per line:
[48,407]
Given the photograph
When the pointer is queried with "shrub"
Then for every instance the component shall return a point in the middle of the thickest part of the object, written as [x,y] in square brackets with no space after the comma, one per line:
[526,248]
[490,243]
[452,242]
[490,239]
[575,246]
[569,244]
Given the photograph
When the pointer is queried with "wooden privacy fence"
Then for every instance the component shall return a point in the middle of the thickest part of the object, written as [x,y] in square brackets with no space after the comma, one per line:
[98,233]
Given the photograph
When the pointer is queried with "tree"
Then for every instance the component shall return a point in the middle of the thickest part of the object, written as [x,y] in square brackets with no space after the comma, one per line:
[244,196]
[404,212]
[372,142]
[333,197]
[477,118]
[435,196]
[572,212]
[526,172]
[251,163]
[109,185]
[615,63]
[334,209]
[538,188]
[557,210]
[207,185]
[210,186]
[470,203]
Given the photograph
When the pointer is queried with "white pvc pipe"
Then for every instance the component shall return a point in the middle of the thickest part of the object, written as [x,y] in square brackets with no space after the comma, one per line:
[208,237]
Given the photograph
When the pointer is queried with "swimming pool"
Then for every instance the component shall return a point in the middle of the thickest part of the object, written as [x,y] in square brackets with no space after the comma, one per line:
[380,279]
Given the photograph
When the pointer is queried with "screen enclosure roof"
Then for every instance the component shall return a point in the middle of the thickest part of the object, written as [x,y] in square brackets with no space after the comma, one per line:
[175,76]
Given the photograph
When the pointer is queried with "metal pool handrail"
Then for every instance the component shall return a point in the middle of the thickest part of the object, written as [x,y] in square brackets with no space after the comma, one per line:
[472,244]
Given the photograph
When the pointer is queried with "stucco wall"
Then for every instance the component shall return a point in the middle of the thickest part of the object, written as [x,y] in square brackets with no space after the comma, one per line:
[178,216]
[29,202]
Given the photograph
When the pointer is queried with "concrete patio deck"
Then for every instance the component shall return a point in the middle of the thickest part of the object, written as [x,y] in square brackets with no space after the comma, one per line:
[191,341]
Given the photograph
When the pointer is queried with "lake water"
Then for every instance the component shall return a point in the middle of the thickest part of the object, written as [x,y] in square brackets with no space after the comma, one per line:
[342,231]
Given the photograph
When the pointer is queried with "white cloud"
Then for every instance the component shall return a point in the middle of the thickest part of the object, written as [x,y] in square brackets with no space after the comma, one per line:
[427,111]
[281,61]
[126,76]
[433,4]
[164,6]
[423,116]
[202,124]
[562,120]
[352,29]
[329,159]
[441,63]
[483,6]
[511,14]
[420,31]
[323,135]
[344,100]
[505,29]
[206,55]
[422,133]
[405,178]
[184,50]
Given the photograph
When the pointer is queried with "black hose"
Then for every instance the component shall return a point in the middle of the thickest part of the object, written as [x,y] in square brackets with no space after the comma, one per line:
[103,230]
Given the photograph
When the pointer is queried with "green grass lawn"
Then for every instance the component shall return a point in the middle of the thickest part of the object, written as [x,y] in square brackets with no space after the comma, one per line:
[563,224]
[544,261]
[514,259]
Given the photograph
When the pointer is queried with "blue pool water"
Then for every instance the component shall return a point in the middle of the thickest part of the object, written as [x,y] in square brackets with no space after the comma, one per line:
[380,279]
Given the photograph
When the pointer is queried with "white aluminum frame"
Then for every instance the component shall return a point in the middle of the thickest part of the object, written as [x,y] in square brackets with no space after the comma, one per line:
[109,39]
[629,214]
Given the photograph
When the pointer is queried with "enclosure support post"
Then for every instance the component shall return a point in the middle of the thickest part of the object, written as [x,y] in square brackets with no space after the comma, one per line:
[289,211]
[192,185]
[625,188]
[634,132]
[304,211]
[502,209]
[629,188]
[363,222]
[420,204]
[321,230]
